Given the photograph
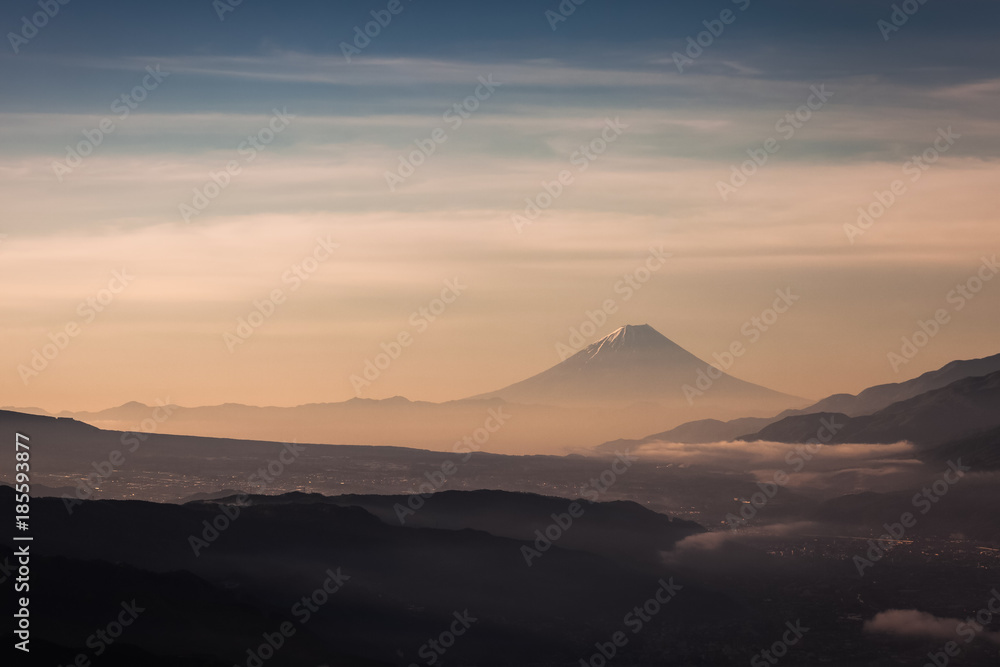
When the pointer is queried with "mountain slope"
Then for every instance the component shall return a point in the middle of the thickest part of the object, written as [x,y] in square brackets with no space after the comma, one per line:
[636,364]
[875,398]
[622,530]
[866,402]
[981,451]
[700,431]
[961,409]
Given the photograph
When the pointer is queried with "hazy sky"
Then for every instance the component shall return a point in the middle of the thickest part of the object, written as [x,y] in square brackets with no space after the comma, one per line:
[606,77]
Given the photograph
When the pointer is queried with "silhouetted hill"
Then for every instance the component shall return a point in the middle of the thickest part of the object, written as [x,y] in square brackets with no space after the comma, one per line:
[696,432]
[405,583]
[961,409]
[866,402]
[881,396]
[981,450]
[625,531]
[217,623]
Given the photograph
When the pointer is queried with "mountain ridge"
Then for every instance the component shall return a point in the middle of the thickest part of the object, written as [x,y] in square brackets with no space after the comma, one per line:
[959,410]
[867,401]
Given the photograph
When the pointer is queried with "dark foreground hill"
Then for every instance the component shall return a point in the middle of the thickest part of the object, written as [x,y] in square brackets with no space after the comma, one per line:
[307,580]
[214,578]
[624,531]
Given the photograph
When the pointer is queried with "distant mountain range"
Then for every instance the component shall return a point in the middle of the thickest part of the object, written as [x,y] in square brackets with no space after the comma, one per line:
[796,423]
[875,398]
[626,384]
[629,383]
[959,410]
[513,429]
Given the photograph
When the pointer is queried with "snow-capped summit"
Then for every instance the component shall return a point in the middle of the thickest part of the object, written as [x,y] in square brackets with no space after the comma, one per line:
[630,338]
[637,364]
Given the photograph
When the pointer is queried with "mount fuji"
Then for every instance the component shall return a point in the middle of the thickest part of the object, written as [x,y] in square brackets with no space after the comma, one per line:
[638,364]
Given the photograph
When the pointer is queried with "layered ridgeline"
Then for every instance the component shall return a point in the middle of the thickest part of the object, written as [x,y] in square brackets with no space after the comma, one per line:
[960,410]
[638,364]
[632,382]
[866,402]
